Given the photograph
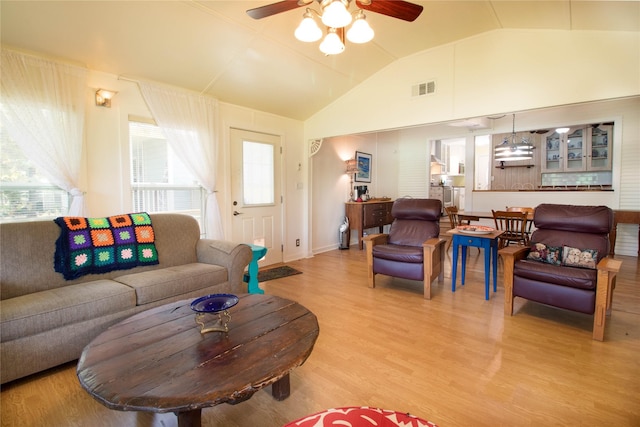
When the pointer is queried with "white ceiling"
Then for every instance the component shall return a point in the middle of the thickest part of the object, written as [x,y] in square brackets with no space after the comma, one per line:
[214,47]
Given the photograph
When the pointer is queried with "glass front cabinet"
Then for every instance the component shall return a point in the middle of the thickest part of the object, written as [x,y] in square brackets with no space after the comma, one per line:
[585,148]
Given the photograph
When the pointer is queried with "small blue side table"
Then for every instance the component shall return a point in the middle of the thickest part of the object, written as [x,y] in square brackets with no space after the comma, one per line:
[489,242]
[252,277]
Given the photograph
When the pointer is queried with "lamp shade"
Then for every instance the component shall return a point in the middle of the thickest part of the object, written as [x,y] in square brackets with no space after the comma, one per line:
[336,15]
[308,30]
[352,166]
[360,31]
[331,45]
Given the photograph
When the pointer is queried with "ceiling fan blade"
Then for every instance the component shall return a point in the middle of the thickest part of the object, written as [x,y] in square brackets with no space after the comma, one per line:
[394,8]
[274,8]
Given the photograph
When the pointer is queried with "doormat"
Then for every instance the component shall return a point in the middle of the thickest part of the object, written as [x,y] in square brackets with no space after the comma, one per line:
[276,273]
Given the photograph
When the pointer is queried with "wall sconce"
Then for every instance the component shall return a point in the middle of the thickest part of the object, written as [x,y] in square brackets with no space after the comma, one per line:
[103,97]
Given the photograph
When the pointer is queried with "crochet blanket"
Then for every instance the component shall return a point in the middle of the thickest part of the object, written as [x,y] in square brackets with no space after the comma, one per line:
[100,245]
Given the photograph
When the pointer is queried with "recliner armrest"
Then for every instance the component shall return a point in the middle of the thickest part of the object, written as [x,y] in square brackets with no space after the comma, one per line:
[433,242]
[609,264]
[515,252]
[376,239]
[509,255]
[608,268]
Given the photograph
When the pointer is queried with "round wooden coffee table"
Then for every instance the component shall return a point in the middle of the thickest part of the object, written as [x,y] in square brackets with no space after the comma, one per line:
[158,361]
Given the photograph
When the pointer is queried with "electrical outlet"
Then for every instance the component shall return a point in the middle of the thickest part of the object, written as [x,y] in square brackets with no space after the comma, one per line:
[297,242]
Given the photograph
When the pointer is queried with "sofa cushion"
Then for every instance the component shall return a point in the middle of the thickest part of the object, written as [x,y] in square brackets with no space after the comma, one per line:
[46,310]
[156,285]
[573,277]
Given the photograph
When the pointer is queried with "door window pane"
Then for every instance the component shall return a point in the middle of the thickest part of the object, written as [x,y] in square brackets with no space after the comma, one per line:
[257,173]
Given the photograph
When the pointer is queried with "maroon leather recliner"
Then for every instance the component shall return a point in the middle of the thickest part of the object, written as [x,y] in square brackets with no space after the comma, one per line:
[412,249]
[567,263]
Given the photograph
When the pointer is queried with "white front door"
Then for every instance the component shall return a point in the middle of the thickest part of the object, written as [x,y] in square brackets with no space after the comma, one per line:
[255,192]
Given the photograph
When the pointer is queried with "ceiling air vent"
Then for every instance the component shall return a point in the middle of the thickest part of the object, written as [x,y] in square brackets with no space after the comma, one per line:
[422,89]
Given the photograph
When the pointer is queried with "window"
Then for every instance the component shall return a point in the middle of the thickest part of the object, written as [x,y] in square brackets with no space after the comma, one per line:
[25,194]
[160,182]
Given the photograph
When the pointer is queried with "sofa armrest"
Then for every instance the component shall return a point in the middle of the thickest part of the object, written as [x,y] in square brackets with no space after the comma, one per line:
[233,256]
[510,255]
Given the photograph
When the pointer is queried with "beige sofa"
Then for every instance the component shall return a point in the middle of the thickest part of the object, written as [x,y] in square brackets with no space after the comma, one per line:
[46,320]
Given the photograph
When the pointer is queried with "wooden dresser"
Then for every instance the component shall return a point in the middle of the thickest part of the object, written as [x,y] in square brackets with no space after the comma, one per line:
[363,215]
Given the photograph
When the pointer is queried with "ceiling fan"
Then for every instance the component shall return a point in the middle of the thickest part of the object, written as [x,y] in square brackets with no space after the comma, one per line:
[335,17]
[395,8]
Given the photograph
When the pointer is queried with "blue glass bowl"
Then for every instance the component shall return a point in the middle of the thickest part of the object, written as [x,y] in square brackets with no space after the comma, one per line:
[214,303]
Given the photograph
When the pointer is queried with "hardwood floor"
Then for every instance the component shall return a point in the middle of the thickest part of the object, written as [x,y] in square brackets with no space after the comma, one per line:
[454,360]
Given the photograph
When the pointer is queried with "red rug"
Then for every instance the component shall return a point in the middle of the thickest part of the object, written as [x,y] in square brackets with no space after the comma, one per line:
[360,417]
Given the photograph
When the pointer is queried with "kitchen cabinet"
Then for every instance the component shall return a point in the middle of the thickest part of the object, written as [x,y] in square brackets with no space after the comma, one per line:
[599,155]
[585,148]
[442,193]
[363,215]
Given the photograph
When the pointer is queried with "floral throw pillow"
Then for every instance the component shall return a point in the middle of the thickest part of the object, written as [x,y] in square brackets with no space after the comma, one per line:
[584,258]
[547,254]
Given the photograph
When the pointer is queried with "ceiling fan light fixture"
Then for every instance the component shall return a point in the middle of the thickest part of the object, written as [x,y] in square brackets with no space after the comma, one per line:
[332,45]
[335,13]
[308,30]
[360,31]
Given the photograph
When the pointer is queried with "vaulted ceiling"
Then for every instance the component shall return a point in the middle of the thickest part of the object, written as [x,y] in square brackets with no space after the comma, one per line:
[214,47]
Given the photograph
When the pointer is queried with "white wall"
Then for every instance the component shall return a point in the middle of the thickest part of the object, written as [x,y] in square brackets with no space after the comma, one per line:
[107,179]
[496,72]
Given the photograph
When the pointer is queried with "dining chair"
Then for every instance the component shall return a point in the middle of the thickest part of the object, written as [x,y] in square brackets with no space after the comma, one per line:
[514,225]
[454,219]
[452,212]
[529,211]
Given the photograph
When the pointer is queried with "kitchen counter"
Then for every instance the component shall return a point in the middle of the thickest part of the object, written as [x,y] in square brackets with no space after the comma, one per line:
[546,189]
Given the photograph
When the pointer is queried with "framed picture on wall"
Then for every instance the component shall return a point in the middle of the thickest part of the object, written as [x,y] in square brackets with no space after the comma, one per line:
[363,160]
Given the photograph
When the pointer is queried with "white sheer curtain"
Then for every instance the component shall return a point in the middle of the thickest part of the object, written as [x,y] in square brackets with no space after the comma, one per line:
[43,105]
[189,122]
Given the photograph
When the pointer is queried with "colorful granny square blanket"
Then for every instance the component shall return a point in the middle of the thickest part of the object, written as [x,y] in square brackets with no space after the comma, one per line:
[100,245]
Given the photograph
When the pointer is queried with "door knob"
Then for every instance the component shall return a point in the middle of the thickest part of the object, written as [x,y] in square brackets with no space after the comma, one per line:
[236,213]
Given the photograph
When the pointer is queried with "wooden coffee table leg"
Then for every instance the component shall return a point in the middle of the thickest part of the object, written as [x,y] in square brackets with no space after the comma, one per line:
[190,418]
[281,389]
